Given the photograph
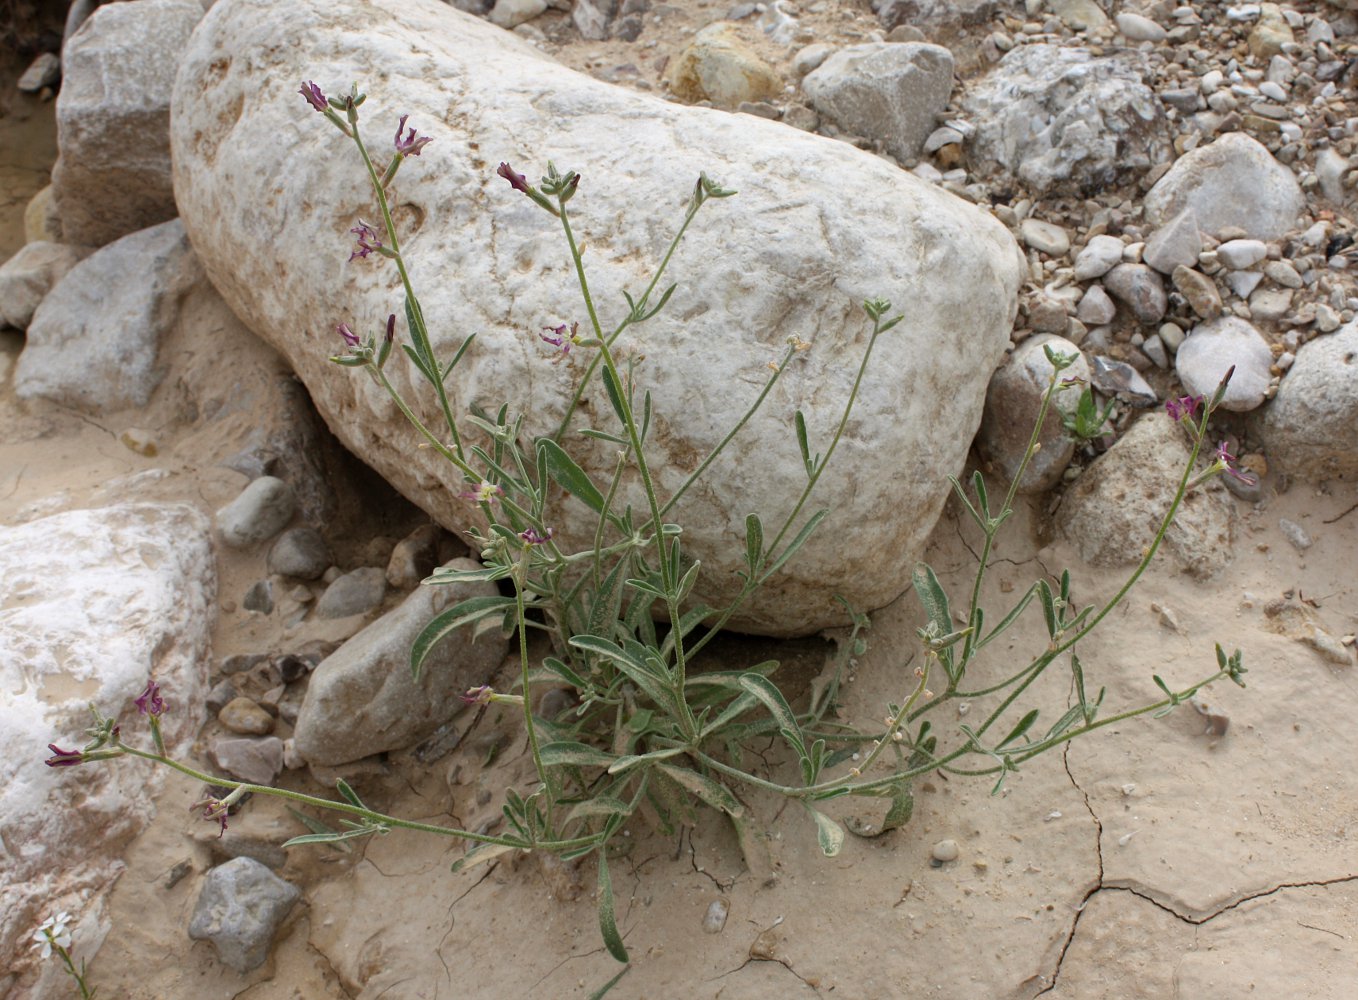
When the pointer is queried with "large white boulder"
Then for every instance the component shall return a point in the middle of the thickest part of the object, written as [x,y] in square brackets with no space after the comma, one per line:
[92,603]
[267,190]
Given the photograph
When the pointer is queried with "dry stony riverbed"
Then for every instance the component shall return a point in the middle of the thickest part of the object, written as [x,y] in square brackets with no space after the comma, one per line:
[1209,853]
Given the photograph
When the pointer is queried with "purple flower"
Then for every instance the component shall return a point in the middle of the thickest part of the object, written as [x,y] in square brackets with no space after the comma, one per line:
[391,328]
[1185,407]
[215,810]
[558,336]
[63,758]
[534,537]
[517,181]
[478,695]
[313,96]
[1227,462]
[151,703]
[368,240]
[409,146]
[349,336]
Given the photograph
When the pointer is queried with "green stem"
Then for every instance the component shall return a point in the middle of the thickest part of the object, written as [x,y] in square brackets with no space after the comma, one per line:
[523,668]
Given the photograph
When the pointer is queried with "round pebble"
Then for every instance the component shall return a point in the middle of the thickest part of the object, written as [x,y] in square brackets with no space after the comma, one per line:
[945,851]
[241,715]
[714,920]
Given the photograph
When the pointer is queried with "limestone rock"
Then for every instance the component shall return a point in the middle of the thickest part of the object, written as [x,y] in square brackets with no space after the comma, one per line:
[1210,179]
[260,512]
[362,699]
[1060,116]
[938,19]
[1175,244]
[256,760]
[355,593]
[42,224]
[1210,351]
[884,91]
[92,602]
[300,552]
[794,254]
[1114,509]
[44,71]
[113,119]
[718,67]
[240,908]
[1140,289]
[27,277]
[93,342]
[1012,405]
[1311,427]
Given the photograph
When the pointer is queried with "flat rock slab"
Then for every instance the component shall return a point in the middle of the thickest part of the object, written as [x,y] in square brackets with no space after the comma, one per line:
[92,602]
[817,228]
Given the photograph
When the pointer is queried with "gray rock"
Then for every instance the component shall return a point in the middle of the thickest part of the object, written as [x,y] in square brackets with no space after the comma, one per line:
[1114,509]
[512,13]
[262,510]
[355,593]
[113,119]
[1117,378]
[1268,305]
[92,344]
[300,552]
[1154,348]
[27,277]
[591,19]
[1096,308]
[1098,257]
[1175,244]
[240,908]
[1243,283]
[1210,180]
[1331,166]
[44,71]
[806,254]
[1140,289]
[1212,348]
[1012,405]
[1239,254]
[258,760]
[1059,116]
[1311,428]
[414,557]
[223,691]
[259,597]
[1298,536]
[1282,273]
[1139,29]
[1079,15]
[884,91]
[363,699]
[936,18]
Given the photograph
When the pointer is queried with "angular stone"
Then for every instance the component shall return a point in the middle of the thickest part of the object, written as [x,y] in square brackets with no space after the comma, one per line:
[93,342]
[938,19]
[44,71]
[256,760]
[239,909]
[241,715]
[804,257]
[1175,244]
[1140,289]
[414,557]
[884,91]
[1012,405]
[113,119]
[27,277]
[1114,509]
[1311,427]
[1212,348]
[355,593]
[301,553]
[1210,180]
[1240,254]
[1098,257]
[92,604]
[718,67]
[362,699]
[1096,308]
[1199,291]
[1053,116]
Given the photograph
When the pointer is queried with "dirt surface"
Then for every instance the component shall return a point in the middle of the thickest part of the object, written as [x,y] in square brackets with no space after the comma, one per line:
[1161,857]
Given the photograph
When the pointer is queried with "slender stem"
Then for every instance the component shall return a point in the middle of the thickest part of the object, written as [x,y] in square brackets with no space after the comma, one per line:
[523,667]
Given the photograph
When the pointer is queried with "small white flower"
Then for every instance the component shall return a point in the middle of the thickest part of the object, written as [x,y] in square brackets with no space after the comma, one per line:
[54,931]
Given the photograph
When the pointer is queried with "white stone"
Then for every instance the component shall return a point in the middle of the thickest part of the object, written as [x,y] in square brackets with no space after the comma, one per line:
[1211,180]
[512,13]
[1140,29]
[885,91]
[27,277]
[1096,308]
[794,254]
[1045,237]
[1218,345]
[1240,254]
[92,603]
[1311,427]
[113,119]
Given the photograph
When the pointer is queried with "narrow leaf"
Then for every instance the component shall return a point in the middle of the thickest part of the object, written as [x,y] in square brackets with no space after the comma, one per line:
[1024,724]
[349,794]
[716,795]
[768,693]
[614,395]
[608,923]
[625,763]
[570,753]
[570,477]
[482,853]
[754,543]
[796,543]
[463,613]
[800,421]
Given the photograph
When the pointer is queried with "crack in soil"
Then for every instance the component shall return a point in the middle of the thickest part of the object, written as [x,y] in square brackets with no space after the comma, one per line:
[1194,922]
[777,960]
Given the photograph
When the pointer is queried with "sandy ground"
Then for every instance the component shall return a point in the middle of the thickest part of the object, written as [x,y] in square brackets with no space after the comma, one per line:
[1155,859]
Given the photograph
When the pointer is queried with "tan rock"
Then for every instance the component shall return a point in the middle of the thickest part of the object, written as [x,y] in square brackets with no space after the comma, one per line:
[718,67]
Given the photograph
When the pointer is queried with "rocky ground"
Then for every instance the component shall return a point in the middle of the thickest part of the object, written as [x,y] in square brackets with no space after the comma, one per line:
[1179,182]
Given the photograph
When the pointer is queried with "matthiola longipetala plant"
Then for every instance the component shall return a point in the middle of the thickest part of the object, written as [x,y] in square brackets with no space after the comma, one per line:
[645,728]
